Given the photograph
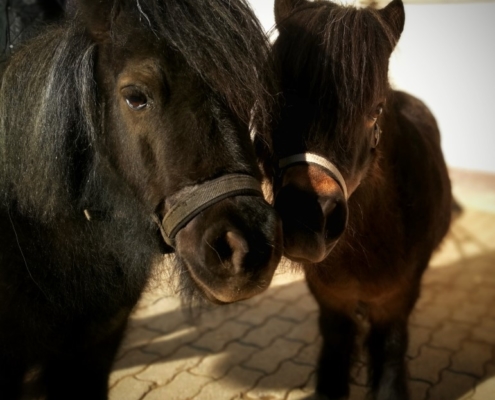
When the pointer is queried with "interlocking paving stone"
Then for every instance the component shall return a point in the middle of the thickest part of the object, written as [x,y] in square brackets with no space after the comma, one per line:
[469,312]
[453,386]
[429,363]
[418,336]
[150,307]
[212,318]
[137,337]
[264,334]
[165,370]
[164,322]
[429,317]
[308,354]
[277,385]
[232,386]
[305,331]
[294,294]
[471,358]
[167,344]
[184,386]
[450,335]
[300,310]
[425,299]
[269,359]
[216,340]
[130,388]
[485,331]
[134,362]
[297,394]
[418,389]
[218,365]
[266,308]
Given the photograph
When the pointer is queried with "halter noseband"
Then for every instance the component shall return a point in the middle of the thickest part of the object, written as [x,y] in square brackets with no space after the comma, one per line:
[193,202]
[311,158]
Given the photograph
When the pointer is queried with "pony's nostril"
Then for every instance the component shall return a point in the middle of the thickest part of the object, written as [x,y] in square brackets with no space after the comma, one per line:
[238,248]
[335,212]
[327,204]
[228,251]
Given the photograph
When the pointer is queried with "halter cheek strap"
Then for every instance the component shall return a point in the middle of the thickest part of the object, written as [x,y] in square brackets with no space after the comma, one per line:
[311,158]
[192,202]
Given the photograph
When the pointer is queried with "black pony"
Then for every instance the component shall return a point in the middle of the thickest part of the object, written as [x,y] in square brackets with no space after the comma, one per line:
[127,113]
[362,210]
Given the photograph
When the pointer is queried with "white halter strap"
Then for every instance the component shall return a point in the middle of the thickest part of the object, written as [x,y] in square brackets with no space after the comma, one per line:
[310,158]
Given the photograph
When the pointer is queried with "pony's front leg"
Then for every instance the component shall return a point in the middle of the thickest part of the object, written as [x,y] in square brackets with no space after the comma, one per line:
[338,332]
[387,345]
[83,374]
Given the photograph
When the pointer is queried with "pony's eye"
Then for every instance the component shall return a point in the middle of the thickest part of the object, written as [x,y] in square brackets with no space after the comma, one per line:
[136,101]
[377,112]
[135,98]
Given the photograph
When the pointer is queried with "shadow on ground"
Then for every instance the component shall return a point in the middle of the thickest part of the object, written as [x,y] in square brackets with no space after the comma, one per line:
[267,346]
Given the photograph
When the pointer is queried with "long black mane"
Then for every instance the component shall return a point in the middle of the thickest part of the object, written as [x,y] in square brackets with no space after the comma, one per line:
[48,119]
[50,109]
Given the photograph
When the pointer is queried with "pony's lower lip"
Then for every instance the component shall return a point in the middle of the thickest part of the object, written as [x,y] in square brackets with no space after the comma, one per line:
[303,260]
[210,297]
[214,299]
[208,293]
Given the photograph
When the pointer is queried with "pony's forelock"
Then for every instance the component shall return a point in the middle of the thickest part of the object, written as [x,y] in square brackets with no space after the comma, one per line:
[328,63]
[223,42]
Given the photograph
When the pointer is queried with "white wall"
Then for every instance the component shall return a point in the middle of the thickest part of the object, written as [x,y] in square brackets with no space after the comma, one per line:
[446,57]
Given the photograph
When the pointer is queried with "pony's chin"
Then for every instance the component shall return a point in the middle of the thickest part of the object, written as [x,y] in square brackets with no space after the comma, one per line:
[222,300]
[222,297]
[305,253]
[208,296]
[226,290]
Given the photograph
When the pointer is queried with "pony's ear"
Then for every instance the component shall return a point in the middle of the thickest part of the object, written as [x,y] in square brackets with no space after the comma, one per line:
[96,16]
[395,17]
[283,8]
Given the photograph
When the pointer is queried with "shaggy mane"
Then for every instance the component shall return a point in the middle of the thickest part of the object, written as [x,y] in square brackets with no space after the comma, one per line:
[48,122]
[332,56]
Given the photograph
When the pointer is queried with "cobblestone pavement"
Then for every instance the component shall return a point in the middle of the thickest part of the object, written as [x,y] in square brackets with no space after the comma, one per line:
[265,348]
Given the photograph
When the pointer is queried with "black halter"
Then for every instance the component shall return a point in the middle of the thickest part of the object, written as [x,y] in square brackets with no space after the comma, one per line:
[192,202]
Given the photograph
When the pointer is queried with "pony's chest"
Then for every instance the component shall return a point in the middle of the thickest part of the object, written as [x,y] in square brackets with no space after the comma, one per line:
[355,291]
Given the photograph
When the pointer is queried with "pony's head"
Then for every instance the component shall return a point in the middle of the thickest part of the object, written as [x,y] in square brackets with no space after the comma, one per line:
[179,81]
[167,92]
[333,65]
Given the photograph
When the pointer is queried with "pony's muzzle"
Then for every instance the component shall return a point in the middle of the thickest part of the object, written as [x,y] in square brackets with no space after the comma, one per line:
[314,212]
[232,249]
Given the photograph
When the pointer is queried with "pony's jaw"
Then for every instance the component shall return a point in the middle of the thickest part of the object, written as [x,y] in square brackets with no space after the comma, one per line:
[232,249]
[313,211]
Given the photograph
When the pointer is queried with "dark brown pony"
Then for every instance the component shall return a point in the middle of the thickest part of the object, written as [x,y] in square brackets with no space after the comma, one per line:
[362,209]
[127,113]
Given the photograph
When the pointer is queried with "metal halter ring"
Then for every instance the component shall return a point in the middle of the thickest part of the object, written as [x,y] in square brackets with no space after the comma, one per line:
[193,201]
[311,158]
